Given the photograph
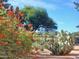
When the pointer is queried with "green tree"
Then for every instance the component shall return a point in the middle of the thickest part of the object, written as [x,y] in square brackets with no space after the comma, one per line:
[77,8]
[39,16]
[76,5]
[77,26]
[6,5]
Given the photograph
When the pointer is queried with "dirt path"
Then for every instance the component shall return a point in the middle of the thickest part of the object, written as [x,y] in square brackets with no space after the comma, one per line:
[74,54]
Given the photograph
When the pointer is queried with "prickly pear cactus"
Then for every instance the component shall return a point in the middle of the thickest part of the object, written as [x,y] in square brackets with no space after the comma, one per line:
[62,43]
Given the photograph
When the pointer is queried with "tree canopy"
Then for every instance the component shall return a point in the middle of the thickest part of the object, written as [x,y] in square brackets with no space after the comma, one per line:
[35,16]
[6,5]
[39,16]
[77,8]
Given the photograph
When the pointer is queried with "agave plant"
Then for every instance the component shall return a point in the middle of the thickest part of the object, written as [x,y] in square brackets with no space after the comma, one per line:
[62,43]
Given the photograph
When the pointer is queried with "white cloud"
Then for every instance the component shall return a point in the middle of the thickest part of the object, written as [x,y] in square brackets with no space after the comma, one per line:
[36,3]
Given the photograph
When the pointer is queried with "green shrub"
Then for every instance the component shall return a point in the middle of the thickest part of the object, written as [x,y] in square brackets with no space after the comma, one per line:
[62,43]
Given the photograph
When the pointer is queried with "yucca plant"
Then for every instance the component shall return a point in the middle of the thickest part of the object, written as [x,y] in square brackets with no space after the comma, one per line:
[62,43]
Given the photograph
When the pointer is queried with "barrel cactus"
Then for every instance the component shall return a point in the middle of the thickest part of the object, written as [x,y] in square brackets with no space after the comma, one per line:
[62,43]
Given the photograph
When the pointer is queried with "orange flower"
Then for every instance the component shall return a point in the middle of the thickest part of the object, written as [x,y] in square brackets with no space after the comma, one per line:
[21,14]
[10,13]
[29,25]
[18,42]
[2,36]
[20,25]
[1,5]
[1,18]
[3,43]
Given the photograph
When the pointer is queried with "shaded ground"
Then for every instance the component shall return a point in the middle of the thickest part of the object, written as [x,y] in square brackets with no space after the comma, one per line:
[74,54]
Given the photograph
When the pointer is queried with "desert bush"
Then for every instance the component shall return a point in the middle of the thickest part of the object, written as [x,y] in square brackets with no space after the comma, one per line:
[62,43]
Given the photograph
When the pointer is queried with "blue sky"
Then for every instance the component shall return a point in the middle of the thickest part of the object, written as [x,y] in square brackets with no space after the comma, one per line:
[61,11]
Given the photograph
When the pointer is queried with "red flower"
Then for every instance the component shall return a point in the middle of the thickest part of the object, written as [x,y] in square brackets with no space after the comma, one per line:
[29,25]
[18,42]
[1,5]
[2,36]
[21,14]
[1,18]
[10,13]
[3,43]
[20,25]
